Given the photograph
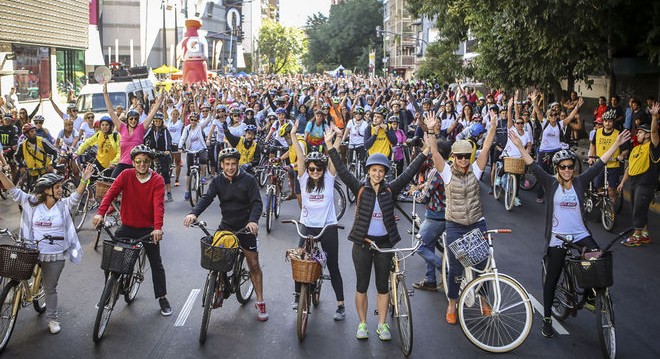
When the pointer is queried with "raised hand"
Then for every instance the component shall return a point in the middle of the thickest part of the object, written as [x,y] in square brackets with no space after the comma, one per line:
[294,128]
[515,139]
[623,138]
[430,119]
[655,109]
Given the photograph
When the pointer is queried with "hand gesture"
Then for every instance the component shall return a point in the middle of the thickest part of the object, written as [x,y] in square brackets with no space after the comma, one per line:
[655,109]
[622,138]
[294,127]
[87,172]
[329,135]
[515,139]
[430,120]
[580,102]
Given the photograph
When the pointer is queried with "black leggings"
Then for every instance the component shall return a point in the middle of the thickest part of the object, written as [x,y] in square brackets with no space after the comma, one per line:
[555,258]
[363,258]
[641,195]
[153,253]
[330,245]
[165,162]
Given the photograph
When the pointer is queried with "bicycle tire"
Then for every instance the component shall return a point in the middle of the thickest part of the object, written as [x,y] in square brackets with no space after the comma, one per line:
[39,299]
[136,278]
[510,189]
[277,203]
[106,305]
[605,323]
[350,195]
[82,209]
[340,200]
[242,280]
[269,212]
[7,320]
[506,327]
[80,212]
[263,178]
[303,312]
[497,188]
[207,303]
[403,316]
[560,307]
[607,215]
[200,191]
[193,186]
[3,193]
[444,273]
[316,293]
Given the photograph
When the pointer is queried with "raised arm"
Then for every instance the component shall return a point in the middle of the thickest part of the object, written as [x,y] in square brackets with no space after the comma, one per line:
[300,155]
[482,160]
[154,109]
[108,106]
[57,109]
[655,117]
[572,115]
[509,111]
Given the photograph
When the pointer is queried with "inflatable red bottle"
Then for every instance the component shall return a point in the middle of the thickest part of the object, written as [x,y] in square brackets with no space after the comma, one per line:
[194,54]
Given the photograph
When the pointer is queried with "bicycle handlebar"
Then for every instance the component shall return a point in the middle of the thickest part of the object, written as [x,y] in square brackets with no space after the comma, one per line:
[146,238]
[568,239]
[498,231]
[309,236]
[375,247]
[202,225]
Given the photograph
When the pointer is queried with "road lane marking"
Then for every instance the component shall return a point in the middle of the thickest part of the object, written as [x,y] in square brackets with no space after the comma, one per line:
[555,323]
[187,307]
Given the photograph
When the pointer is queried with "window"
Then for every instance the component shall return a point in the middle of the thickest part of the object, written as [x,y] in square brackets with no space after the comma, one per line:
[36,61]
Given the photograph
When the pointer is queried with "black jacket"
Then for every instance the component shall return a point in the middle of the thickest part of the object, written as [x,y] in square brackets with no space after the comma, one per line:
[164,141]
[387,193]
[240,201]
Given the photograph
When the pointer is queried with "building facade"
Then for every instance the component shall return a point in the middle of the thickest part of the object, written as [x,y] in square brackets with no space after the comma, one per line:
[400,44]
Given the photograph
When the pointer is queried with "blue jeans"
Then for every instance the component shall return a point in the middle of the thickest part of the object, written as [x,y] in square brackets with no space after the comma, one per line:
[430,231]
[454,232]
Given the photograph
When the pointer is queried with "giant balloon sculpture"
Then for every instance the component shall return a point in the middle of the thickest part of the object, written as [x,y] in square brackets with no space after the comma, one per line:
[194,54]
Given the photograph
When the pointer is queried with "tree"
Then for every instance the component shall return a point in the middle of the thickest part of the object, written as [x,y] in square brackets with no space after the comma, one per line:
[280,47]
[345,37]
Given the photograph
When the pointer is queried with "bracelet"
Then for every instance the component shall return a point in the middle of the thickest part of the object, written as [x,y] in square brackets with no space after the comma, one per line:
[85,182]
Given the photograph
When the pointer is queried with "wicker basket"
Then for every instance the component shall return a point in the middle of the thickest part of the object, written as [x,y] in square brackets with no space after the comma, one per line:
[217,258]
[119,257]
[514,165]
[102,188]
[470,249]
[305,271]
[17,262]
[593,273]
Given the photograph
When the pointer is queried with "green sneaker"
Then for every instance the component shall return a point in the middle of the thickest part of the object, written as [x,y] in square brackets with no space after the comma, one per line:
[363,331]
[383,332]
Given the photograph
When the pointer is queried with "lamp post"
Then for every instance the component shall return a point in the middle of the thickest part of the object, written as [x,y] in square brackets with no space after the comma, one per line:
[162,5]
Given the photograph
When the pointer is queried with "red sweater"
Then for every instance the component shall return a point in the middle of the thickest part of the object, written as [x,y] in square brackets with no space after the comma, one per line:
[142,204]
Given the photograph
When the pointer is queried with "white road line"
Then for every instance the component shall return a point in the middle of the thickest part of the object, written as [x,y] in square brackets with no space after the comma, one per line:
[555,323]
[187,307]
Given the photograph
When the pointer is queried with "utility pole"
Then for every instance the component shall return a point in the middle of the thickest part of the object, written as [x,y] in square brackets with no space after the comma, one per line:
[164,34]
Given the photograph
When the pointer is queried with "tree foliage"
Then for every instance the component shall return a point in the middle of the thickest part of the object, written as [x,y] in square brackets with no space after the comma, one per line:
[345,37]
[281,47]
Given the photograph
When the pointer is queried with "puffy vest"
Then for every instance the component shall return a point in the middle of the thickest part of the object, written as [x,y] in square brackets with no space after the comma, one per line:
[35,156]
[247,153]
[463,204]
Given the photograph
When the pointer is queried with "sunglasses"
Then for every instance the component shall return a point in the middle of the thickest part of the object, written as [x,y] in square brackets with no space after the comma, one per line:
[88,117]
[235,115]
[566,167]
[462,156]
[194,119]
[520,123]
[314,169]
[139,162]
[132,118]
[553,115]
[38,122]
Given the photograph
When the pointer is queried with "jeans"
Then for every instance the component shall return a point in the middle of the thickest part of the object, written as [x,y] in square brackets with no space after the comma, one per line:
[456,269]
[153,254]
[429,232]
[50,274]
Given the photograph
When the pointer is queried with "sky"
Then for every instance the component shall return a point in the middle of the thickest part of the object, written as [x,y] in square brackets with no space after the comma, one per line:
[295,12]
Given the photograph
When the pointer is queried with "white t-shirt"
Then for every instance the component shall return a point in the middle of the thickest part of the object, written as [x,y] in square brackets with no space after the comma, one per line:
[276,134]
[511,149]
[446,172]
[87,130]
[238,130]
[67,142]
[567,216]
[550,138]
[318,208]
[356,131]
[51,222]
[376,225]
[175,130]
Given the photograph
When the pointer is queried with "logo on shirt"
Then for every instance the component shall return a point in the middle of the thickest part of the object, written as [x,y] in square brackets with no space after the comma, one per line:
[317,198]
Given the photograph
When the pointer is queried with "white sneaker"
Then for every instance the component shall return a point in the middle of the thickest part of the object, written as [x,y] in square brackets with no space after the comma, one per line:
[516,202]
[54,327]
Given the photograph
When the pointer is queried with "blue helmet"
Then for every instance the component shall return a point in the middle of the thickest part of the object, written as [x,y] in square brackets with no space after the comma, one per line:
[378,159]
[476,130]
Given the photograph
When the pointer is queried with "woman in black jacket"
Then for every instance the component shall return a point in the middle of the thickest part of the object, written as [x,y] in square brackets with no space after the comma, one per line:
[564,195]
[374,221]
[158,138]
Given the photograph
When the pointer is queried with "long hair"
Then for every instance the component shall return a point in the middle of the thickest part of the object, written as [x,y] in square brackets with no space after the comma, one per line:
[319,184]
[41,198]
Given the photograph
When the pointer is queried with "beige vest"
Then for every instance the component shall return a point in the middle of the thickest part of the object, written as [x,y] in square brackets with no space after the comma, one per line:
[463,203]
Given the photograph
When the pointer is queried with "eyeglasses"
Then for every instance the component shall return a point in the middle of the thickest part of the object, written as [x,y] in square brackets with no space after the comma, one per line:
[553,115]
[314,169]
[234,115]
[139,162]
[194,119]
[88,117]
[462,156]
[566,167]
[520,123]
[132,118]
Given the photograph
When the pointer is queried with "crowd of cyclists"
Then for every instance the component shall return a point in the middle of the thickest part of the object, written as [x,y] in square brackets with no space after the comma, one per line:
[408,136]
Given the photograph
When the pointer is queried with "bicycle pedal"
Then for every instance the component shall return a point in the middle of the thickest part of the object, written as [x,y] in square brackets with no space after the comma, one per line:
[325,277]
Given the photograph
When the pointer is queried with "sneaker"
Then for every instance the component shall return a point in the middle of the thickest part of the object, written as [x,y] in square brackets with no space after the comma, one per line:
[383,332]
[547,330]
[540,200]
[186,196]
[424,285]
[294,304]
[516,202]
[340,314]
[169,197]
[54,327]
[165,308]
[644,238]
[362,331]
[590,303]
[262,316]
[632,241]
[203,180]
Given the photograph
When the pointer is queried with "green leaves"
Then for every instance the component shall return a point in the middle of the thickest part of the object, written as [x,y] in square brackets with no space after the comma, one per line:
[281,48]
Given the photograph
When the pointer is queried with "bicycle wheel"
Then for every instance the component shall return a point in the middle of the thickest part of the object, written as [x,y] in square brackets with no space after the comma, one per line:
[207,303]
[510,189]
[351,197]
[340,201]
[277,203]
[496,328]
[403,316]
[136,278]
[39,298]
[445,267]
[200,190]
[269,211]
[193,185]
[607,214]
[303,311]
[605,322]
[80,213]
[528,180]
[106,305]
[561,308]
[242,280]
[497,188]
[9,297]
[316,293]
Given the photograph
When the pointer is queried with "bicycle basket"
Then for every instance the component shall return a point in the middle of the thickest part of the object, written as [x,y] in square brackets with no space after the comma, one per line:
[217,258]
[593,273]
[514,165]
[102,188]
[303,269]
[119,257]
[470,249]
[17,262]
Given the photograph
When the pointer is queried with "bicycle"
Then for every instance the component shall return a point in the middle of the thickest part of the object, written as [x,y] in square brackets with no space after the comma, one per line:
[275,173]
[112,217]
[495,312]
[124,260]
[340,200]
[309,272]
[195,183]
[228,274]
[20,264]
[596,274]
[599,198]
[506,180]
[355,167]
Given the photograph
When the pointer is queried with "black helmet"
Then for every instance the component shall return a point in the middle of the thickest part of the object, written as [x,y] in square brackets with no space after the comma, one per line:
[382,111]
[159,116]
[142,149]
[47,181]
[316,156]
[229,153]
[132,113]
[562,156]
[359,109]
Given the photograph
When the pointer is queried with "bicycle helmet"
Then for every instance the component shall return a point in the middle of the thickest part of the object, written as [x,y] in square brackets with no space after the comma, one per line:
[325,106]
[393,119]
[272,114]
[563,155]
[193,115]
[316,156]
[159,116]
[476,130]
[280,99]
[27,127]
[142,149]
[132,113]
[8,117]
[280,110]
[381,110]
[335,99]
[609,115]
[370,97]
[205,106]
[235,111]
[285,129]
[47,181]
[229,152]
[359,109]
[426,100]
[221,108]
[252,128]
[38,118]
[249,110]
[378,159]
